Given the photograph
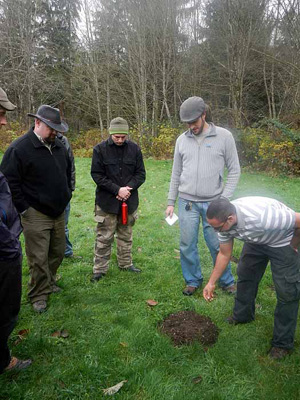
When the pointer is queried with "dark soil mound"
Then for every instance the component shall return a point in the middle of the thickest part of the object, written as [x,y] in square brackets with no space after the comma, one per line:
[186,327]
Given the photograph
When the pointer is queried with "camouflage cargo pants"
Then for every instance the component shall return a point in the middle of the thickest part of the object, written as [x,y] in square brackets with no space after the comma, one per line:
[107,226]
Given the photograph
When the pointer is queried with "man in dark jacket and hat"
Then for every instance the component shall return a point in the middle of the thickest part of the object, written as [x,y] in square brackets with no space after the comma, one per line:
[38,171]
[10,262]
[118,170]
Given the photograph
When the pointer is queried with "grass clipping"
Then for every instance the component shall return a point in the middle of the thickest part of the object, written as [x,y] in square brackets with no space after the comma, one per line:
[186,327]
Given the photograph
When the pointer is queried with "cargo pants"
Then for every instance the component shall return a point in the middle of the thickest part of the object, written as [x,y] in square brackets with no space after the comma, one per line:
[107,226]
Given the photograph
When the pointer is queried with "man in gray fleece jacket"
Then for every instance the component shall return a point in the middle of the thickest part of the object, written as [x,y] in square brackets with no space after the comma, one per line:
[201,155]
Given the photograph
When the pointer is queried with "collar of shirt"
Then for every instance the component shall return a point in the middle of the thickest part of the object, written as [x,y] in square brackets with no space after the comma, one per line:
[43,141]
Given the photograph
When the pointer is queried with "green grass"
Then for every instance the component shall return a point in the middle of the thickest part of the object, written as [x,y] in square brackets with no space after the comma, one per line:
[113,334]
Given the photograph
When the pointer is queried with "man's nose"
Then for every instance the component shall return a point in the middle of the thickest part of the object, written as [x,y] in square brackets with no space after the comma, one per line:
[3,121]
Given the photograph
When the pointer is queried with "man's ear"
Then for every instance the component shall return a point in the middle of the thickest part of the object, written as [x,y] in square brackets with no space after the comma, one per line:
[231,218]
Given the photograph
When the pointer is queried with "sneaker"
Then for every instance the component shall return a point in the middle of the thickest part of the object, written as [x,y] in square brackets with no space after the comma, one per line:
[17,365]
[39,306]
[132,268]
[189,290]
[229,289]
[56,289]
[277,353]
[96,277]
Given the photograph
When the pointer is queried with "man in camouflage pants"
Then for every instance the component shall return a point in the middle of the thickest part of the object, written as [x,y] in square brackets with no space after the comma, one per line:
[118,170]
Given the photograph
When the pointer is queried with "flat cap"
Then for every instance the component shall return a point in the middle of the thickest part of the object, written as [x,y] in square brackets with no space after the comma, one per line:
[192,109]
[4,102]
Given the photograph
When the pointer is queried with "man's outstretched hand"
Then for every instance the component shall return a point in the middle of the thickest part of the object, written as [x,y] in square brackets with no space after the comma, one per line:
[208,292]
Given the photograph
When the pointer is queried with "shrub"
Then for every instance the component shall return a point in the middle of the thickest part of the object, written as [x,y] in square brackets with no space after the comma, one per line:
[9,133]
[270,147]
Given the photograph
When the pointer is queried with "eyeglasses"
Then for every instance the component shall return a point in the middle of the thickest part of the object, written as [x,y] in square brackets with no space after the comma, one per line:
[219,228]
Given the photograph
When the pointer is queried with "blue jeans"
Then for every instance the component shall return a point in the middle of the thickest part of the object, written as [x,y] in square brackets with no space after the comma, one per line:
[189,220]
[69,247]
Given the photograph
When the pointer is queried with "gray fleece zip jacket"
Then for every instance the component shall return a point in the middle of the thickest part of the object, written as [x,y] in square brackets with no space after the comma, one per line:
[198,169]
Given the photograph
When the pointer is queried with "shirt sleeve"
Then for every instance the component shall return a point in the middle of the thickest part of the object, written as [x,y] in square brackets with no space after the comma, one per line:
[175,177]
[233,166]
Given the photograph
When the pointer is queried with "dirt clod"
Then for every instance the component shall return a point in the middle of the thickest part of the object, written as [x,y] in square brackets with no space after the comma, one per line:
[186,327]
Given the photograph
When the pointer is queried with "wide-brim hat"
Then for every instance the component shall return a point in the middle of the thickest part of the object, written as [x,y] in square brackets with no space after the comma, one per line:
[192,109]
[51,117]
[4,102]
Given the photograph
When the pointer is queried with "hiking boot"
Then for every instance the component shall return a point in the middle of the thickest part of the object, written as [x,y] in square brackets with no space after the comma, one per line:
[39,306]
[277,353]
[189,290]
[96,277]
[229,289]
[56,289]
[17,365]
[132,268]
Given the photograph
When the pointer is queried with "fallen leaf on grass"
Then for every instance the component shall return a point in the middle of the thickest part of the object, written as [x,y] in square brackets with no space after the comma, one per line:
[21,336]
[139,249]
[177,257]
[123,344]
[177,251]
[197,379]
[64,334]
[57,278]
[114,389]
[152,303]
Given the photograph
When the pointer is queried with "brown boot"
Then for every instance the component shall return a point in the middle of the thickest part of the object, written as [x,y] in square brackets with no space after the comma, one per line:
[189,290]
[16,364]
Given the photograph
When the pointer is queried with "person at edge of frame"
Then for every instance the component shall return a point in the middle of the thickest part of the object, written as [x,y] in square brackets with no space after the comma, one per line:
[10,262]
[271,232]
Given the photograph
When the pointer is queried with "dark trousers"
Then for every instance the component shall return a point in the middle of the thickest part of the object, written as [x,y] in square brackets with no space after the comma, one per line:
[10,300]
[285,267]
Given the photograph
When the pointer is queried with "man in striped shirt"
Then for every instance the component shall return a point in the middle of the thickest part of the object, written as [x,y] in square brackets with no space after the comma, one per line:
[201,155]
[271,232]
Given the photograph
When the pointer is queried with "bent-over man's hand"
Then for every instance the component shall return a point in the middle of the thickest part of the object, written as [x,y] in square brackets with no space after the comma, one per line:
[169,211]
[208,292]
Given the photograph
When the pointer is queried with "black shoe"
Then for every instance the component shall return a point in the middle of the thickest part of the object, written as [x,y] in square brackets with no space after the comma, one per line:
[73,257]
[231,321]
[132,268]
[277,353]
[97,277]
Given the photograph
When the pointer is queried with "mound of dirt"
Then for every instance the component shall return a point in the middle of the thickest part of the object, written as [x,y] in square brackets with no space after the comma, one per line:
[186,327]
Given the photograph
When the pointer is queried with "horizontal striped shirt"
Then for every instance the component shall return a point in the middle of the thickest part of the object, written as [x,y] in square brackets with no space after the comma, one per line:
[261,220]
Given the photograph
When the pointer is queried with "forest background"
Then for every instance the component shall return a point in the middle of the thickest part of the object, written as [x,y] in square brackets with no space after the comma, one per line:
[139,59]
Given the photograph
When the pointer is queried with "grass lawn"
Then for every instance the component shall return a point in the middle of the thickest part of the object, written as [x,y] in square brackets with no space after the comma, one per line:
[113,333]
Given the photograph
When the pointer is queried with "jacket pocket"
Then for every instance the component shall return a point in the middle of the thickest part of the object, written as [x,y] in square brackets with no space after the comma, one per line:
[111,167]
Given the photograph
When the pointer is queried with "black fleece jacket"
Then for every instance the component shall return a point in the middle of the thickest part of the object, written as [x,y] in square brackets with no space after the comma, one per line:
[38,177]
